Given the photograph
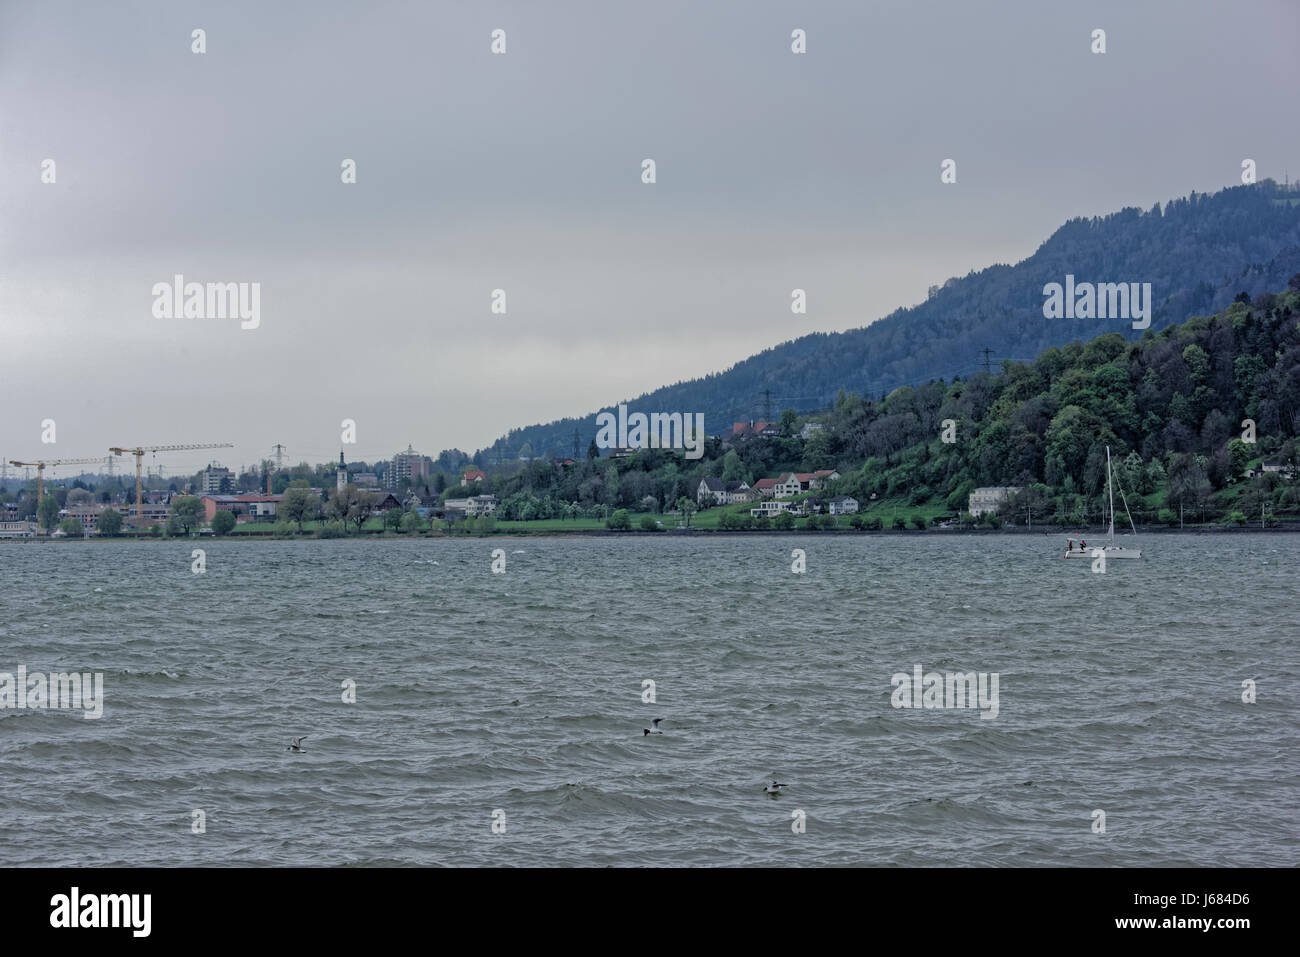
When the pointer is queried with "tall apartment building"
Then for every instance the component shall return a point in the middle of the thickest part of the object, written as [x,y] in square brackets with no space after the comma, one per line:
[212,476]
[407,465]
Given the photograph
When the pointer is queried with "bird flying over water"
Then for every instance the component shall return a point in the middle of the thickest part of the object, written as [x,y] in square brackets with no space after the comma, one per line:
[296,746]
[773,788]
[656,730]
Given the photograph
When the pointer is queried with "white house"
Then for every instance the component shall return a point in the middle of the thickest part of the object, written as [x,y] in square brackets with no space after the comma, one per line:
[990,498]
[710,491]
[738,492]
[842,505]
[821,477]
[787,486]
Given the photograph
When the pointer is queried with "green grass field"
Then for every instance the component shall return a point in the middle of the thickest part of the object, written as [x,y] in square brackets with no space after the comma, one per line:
[554,525]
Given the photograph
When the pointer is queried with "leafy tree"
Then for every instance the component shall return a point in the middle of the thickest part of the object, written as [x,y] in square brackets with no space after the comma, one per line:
[900,523]
[687,507]
[361,508]
[959,497]
[350,506]
[619,521]
[732,470]
[918,522]
[648,523]
[110,522]
[783,521]
[79,496]
[411,522]
[1189,486]
[223,523]
[393,519]
[819,452]
[1240,455]
[48,511]
[300,505]
[188,512]
[71,527]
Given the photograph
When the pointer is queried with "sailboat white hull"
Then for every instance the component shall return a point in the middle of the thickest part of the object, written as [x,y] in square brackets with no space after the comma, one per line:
[1110,550]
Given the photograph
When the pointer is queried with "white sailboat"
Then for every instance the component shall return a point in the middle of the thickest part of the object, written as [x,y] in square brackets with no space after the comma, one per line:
[1110,549]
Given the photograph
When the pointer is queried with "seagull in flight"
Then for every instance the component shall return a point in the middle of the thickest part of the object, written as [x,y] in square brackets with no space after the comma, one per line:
[773,788]
[296,747]
[656,730]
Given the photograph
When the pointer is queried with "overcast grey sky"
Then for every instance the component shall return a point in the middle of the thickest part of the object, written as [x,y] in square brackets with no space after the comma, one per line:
[523,172]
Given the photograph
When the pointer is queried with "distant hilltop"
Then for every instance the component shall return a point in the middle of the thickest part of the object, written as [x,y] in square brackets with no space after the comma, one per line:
[1197,253]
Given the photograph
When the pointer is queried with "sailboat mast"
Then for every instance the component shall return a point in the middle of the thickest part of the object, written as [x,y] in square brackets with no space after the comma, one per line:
[1110,490]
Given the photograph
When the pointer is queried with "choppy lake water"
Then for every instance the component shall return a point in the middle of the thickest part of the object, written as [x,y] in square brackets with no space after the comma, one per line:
[522,692]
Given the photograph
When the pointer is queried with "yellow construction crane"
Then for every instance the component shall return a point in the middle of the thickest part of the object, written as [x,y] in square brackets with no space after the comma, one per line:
[139,451]
[40,470]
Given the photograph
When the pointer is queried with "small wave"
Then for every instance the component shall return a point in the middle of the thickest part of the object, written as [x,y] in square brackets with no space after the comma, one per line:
[128,673]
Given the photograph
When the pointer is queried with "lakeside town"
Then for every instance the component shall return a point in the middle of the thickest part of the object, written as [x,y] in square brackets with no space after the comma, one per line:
[415,494]
[1192,426]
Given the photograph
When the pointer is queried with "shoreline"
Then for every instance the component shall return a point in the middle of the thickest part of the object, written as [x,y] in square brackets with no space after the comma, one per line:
[1100,534]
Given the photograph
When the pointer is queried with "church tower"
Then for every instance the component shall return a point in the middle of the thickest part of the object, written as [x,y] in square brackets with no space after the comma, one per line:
[343,472]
